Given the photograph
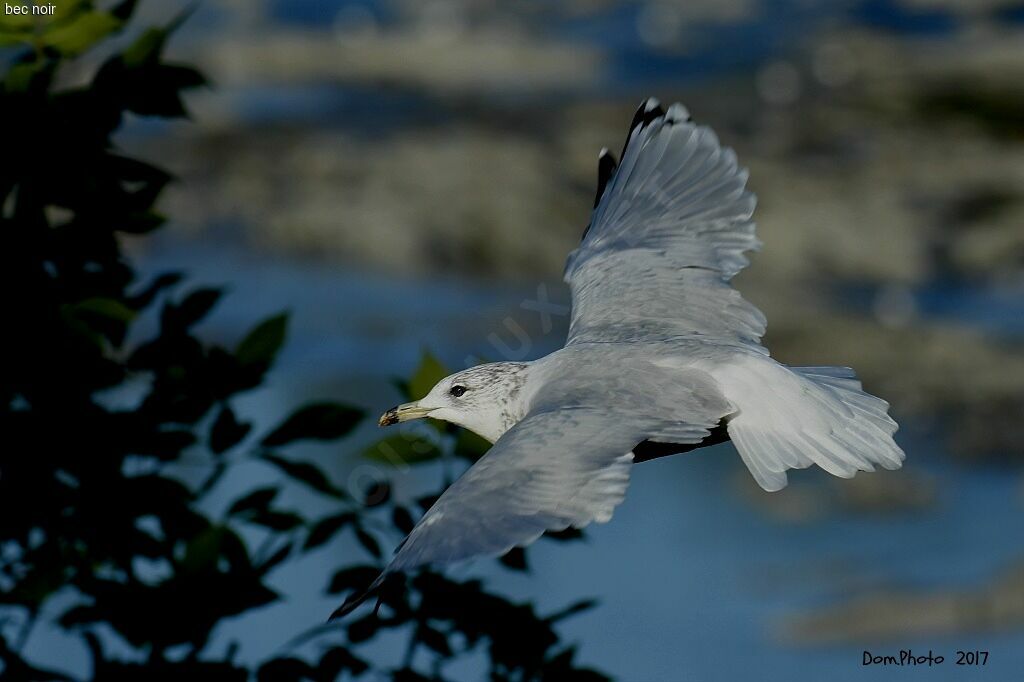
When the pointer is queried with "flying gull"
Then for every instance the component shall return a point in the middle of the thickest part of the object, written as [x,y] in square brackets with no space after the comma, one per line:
[662,356]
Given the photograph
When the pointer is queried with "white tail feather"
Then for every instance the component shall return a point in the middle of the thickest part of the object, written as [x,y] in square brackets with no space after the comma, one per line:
[792,417]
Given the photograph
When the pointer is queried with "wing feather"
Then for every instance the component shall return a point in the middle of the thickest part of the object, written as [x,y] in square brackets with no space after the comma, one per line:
[550,471]
[670,230]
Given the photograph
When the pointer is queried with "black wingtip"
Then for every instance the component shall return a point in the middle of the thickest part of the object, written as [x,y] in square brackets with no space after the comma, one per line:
[648,111]
[606,165]
[355,600]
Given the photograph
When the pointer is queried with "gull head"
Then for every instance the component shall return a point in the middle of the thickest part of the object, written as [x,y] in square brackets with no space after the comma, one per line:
[486,399]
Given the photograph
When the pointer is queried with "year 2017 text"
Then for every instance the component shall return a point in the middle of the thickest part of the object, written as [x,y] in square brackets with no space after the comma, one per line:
[38,10]
[907,657]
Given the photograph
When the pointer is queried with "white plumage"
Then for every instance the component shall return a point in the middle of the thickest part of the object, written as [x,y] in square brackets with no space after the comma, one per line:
[661,349]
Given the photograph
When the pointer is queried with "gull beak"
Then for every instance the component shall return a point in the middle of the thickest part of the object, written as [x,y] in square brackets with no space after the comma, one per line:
[404,413]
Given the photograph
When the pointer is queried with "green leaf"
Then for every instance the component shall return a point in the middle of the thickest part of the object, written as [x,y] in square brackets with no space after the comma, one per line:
[106,307]
[307,473]
[145,48]
[148,46]
[28,75]
[403,449]
[203,549]
[319,421]
[141,222]
[256,500]
[81,33]
[471,446]
[11,24]
[264,341]
[426,375]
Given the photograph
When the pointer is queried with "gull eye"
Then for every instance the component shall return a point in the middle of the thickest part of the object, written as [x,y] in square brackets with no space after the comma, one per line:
[457,391]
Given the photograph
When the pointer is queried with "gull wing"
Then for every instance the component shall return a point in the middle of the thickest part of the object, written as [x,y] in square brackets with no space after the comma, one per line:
[565,464]
[670,229]
[550,471]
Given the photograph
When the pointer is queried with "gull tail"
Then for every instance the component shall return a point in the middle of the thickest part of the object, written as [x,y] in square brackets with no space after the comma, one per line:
[793,417]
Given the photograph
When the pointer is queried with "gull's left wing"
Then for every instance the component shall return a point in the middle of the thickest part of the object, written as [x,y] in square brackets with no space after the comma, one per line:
[559,467]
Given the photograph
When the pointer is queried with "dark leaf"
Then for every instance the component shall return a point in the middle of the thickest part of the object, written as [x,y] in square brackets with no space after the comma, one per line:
[409,675]
[307,473]
[434,639]
[363,629]
[515,559]
[165,445]
[203,550]
[124,9]
[286,670]
[326,528]
[276,558]
[376,494]
[369,543]
[320,421]
[402,519]
[427,501]
[568,534]
[355,578]
[277,520]
[195,306]
[227,431]
[146,296]
[338,660]
[257,500]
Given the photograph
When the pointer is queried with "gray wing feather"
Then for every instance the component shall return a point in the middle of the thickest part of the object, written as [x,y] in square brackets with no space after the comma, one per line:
[548,472]
[670,231]
[568,462]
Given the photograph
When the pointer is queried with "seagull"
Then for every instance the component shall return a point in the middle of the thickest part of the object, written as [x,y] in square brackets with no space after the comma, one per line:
[662,356]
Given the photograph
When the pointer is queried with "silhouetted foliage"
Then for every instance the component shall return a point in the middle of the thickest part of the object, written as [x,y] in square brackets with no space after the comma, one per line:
[99,535]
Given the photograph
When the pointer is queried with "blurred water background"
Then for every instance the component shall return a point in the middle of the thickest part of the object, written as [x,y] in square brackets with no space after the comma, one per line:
[405,174]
